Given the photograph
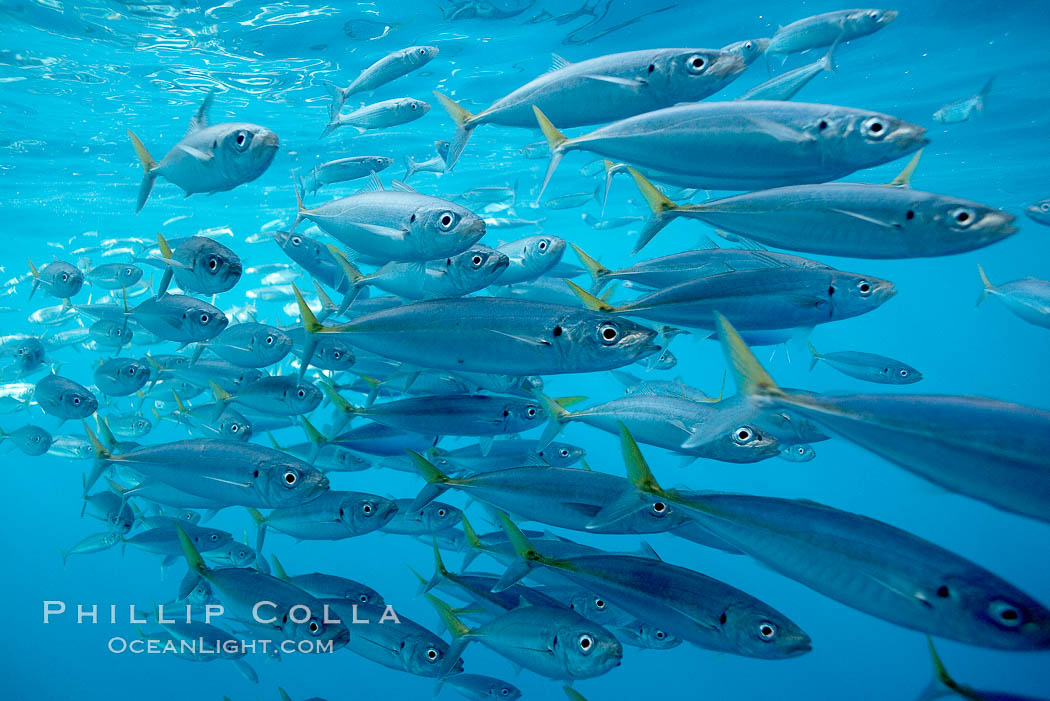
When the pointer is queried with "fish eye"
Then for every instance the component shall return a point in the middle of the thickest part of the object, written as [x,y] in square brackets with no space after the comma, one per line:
[743,435]
[696,63]
[1005,614]
[301,393]
[599,604]
[963,216]
[205,318]
[213,263]
[903,372]
[659,508]
[865,288]
[131,370]
[367,508]
[422,52]
[128,271]
[336,355]
[213,537]
[314,628]
[608,333]
[296,241]
[476,260]
[76,401]
[531,411]
[363,598]
[432,654]
[874,128]
[873,15]
[564,453]
[542,245]
[585,642]
[1045,206]
[652,67]
[291,477]
[504,691]
[767,630]
[822,125]
[65,277]
[269,340]
[446,220]
[659,634]
[234,428]
[242,139]
[441,513]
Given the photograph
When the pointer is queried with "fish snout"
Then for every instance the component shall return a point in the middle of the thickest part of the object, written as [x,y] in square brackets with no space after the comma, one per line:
[910,137]
[888,16]
[270,140]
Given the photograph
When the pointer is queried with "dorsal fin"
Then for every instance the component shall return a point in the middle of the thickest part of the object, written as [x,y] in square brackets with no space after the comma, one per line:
[558,62]
[372,183]
[403,186]
[200,117]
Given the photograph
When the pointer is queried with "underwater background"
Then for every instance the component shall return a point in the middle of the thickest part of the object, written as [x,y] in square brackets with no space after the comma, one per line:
[75,76]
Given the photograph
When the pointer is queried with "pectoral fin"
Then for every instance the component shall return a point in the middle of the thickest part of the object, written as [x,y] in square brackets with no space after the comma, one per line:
[201,156]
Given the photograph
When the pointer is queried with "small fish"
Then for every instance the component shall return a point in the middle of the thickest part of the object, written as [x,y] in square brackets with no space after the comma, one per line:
[64,398]
[800,452]
[114,276]
[120,377]
[867,366]
[748,49]
[31,440]
[433,517]
[210,158]
[962,109]
[390,67]
[345,169]
[436,164]
[251,345]
[482,688]
[825,29]
[1028,298]
[327,586]
[331,516]
[1039,212]
[198,264]
[474,269]
[92,544]
[60,279]
[786,85]
[273,395]
[388,113]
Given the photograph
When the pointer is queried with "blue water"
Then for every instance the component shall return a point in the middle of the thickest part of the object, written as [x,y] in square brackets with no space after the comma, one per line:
[72,80]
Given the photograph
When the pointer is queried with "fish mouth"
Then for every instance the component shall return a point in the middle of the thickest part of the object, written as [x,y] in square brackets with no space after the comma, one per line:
[910,137]
[271,139]
[728,65]
[889,15]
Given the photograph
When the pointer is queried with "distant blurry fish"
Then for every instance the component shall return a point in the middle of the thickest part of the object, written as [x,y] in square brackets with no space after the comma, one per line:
[748,49]
[786,85]
[825,29]
[867,366]
[962,109]
[1039,212]
[433,165]
[31,440]
[1028,298]
[603,89]
[345,169]
[390,67]
[210,158]
[114,276]
[388,113]
[800,452]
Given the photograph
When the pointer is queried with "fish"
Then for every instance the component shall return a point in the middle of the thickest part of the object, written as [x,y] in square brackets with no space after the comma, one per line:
[432,517]
[251,345]
[64,398]
[379,115]
[60,279]
[518,337]
[943,684]
[121,377]
[345,169]
[555,643]
[173,317]
[762,299]
[800,452]
[270,395]
[333,515]
[697,608]
[435,164]
[1028,298]
[505,453]
[744,145]
[987,449]
[1039,212]
[210,158]
[472,270]
[962,109]
[391,225]
[866,564]
[602,89]
[129,426]
[31,440]
[867,366]
[329,586]
[843,219]
[113,276]
[198,264]
[477,686]
[391,67]
[748,49]
[221,471]
[94,543]
[529,258]
[240,589]
[826,29]
[786,85]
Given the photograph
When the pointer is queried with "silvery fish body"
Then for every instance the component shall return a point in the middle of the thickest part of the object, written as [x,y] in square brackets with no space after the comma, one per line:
[389,225]
[857,220]
[228,472]
[332,516]
[210,158]
[433,517]
[466,272]
[344,169]
[1028,298]
[31,440]
[251,345]
[876,568]
[120,377]
[869,367]
[530,258]
[327,586]
[825,29]
[180,318]
[64,398]
[458,414]
[114,276]
[786,85]
[504,454]
[749,145]
[379,115]
[203,265]
[502,336]
[390,67]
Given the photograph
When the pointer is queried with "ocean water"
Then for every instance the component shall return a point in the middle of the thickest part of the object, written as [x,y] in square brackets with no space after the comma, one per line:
[75,77]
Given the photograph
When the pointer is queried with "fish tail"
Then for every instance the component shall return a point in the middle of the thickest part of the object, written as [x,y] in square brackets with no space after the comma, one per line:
[440,572]
[460,634]
[193,558]
[751,378]
[662,208]
[411,167]
[903,178]
[528,557]
[942,683]
[557,417]
[312,327]
[352,273]
[828,62]
[814,357]
[222,399]
[278,569]
[437,481]
[260,528]
[149,166]
[464,126]
[36,277]
[557,142]
[986,286]
[597,271]
[339,96]
[983,92]
[638,470]
[590,301]
[332,125]
[300,209]
[610,172]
